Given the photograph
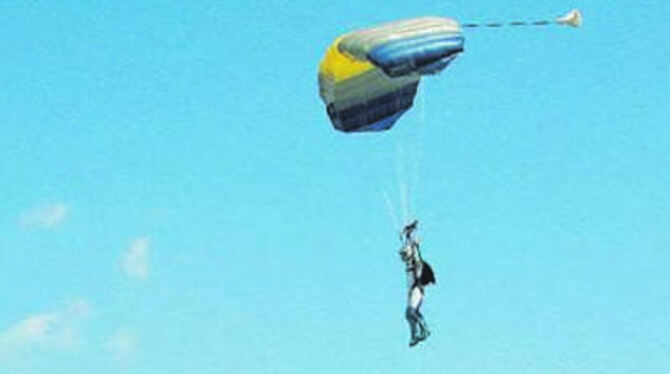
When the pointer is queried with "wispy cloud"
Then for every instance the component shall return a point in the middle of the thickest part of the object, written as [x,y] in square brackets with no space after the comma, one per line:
[47,216]
[136,259]
[122,345]
[60,328]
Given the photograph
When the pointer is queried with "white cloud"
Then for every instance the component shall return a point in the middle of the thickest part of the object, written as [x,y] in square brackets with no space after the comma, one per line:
[48,216]
[136,259]
[32,329]
[122,345]
[60,328]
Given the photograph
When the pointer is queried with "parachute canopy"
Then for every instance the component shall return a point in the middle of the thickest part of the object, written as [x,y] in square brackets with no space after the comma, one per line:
[368,78]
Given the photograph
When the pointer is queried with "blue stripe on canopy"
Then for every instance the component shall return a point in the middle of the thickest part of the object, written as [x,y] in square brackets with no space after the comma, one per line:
[401,57]
[381,125]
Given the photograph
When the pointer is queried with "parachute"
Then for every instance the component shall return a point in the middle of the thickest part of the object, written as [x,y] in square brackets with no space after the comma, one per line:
[368,78]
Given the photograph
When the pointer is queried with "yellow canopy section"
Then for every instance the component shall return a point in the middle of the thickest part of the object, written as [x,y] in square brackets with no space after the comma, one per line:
[338,66]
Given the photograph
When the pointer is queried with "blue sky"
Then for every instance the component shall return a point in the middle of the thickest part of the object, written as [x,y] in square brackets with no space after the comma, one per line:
[174,198]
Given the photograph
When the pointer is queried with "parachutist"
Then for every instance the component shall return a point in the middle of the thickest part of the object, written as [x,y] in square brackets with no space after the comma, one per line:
[419,275]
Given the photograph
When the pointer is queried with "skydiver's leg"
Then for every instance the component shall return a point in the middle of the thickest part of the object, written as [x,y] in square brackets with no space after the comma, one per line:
[413,316]
[416,299]
[410,315]
[412,321]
